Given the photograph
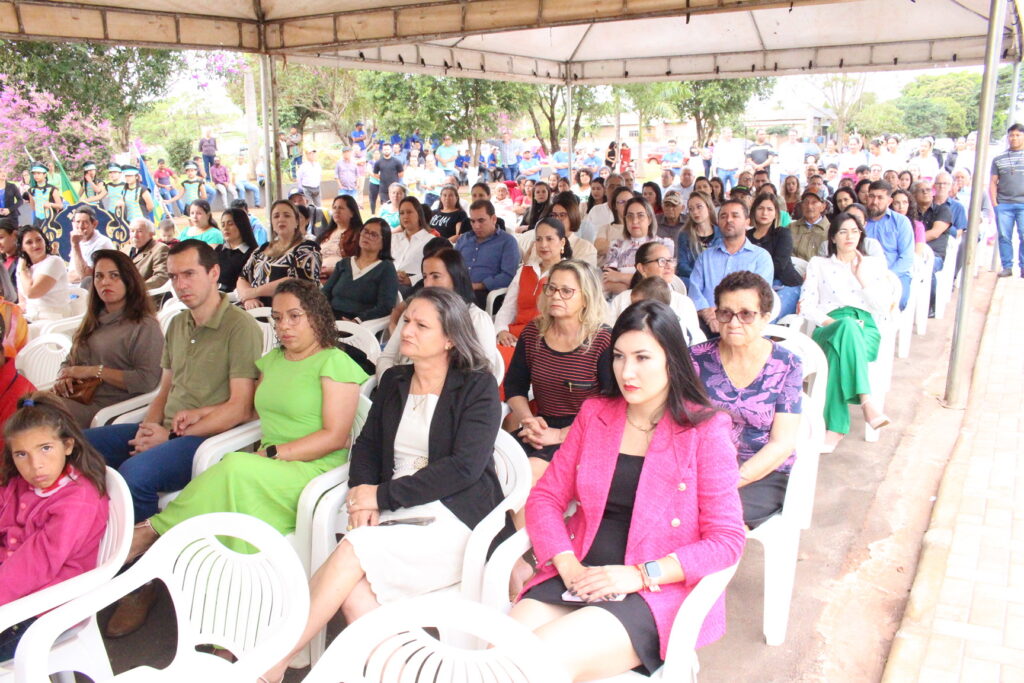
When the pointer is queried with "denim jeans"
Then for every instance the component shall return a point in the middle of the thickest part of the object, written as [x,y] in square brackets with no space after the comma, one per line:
[167,467]
[789,295]
[905,282]
[346,193]
[242,186]
[207,162]
[11,636]
[1006,216]
[167,193]
[728,179]
[510,171]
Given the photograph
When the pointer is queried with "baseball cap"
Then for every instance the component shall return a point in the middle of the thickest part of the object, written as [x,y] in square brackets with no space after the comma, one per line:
[672,198]
[294,191]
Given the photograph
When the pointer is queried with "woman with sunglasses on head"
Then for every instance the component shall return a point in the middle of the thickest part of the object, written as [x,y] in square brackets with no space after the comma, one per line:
[562,356]
[758,382]
[841,295]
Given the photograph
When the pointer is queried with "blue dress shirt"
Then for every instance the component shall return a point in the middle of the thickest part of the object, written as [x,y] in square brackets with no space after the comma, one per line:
[896,236]
[492,262]
[715,262]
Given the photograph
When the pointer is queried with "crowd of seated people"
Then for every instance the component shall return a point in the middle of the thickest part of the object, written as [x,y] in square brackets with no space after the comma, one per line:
[601,361]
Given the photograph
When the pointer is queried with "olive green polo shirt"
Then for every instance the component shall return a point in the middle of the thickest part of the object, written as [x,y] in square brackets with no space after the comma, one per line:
[808,237]
[203,359]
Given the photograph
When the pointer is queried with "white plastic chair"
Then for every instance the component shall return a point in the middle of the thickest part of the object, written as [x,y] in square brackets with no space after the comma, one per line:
[944,278]
[78,648]
[330,521]
[79,300]
[800,265]
[39,361]
[378,326]
[358,336]
[681,662]
[110,414]
[262,316]
[920,285]
[492,298]
[255,605]
[390,645]
[780,535]
[66,326]
[167,312]
[813,362]
[927,263]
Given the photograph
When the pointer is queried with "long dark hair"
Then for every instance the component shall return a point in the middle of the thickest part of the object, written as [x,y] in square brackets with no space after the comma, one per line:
[771,199]
[685,390]
[241,220]
[44,410]
[559,228]
[613,198]
[843,190]
[137,304]
[23,232]
[205,207]
[656,188]
[457,271]
[569,202]
[833,230]
[537,209]
[417,206]
[912,212]
[355,223]
[590,198]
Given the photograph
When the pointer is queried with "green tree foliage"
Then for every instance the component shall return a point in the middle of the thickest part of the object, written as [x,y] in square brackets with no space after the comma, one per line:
[940,116]
[115,83]
[961,88]
[547,113]
[650,101]
[465,108]
[875,119]
[711,103]
[181,116]
[179,151]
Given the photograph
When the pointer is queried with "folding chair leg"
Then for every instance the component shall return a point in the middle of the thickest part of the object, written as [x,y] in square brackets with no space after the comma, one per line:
[779,573]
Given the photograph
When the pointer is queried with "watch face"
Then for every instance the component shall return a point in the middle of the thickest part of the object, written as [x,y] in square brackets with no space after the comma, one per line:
[653,569]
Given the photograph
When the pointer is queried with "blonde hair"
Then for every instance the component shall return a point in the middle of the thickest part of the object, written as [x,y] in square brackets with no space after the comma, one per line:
[594,311]
[690,227]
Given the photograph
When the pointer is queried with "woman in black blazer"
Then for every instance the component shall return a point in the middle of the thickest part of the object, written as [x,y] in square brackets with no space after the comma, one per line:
[421,473]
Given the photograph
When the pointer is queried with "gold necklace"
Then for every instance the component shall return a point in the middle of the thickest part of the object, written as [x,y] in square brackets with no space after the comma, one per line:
[647,431]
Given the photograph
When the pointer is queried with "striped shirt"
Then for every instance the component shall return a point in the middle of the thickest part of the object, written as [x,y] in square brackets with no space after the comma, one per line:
[561,380]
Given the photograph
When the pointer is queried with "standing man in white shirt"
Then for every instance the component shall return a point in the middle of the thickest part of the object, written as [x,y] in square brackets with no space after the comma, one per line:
[85,239]
[309,177]
[791,158]
[728,158]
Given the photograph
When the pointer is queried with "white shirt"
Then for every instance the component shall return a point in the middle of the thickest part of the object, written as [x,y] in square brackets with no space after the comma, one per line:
[681,304]
[94,243]
[729,155]
[56,303]
[600,215]
[831,284]
[408,253]
[309,174]
[791,158]
[483,326]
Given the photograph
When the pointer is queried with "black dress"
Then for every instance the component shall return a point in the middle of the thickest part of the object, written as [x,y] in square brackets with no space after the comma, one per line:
[609,548]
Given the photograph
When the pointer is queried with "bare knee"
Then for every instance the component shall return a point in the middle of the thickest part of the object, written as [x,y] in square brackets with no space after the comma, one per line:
[538,467]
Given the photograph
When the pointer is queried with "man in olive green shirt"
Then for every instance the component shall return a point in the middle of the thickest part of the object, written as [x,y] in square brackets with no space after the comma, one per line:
[810,231]
[207,387]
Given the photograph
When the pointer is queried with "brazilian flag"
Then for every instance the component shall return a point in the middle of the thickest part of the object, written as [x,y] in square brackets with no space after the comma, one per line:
[66,187]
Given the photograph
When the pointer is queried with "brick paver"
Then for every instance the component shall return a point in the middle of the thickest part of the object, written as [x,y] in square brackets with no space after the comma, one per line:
[965,619]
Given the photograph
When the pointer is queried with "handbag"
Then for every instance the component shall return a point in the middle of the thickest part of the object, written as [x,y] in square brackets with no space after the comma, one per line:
[83,390]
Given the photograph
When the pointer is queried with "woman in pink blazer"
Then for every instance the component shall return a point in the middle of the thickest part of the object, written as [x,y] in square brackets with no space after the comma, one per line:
[653,468]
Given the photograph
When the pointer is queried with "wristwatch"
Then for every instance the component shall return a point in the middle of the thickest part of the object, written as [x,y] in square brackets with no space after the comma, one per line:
[271,452]
[653,571]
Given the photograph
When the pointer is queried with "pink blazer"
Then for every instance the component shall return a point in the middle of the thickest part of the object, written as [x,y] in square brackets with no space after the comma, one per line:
[687,503]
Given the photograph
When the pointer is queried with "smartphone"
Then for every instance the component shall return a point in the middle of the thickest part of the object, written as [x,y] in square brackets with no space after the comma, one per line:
[416,521]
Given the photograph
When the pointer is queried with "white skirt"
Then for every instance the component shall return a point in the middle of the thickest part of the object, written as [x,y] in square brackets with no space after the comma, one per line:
[406,560]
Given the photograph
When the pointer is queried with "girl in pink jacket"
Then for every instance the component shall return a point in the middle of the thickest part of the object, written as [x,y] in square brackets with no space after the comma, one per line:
[653,469]
[53,504]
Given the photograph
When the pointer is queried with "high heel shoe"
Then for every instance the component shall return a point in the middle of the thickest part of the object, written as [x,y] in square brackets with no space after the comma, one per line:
[881,421]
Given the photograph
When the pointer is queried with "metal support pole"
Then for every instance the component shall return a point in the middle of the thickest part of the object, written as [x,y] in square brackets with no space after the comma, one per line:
[568,122]
[1012,117]
[269,139]
[278,180]
[955,385]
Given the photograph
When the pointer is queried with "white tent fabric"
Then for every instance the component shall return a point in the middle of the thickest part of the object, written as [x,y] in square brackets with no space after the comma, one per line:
[546,41]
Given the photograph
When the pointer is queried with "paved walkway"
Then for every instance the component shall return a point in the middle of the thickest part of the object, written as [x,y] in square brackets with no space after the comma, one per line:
[965,618]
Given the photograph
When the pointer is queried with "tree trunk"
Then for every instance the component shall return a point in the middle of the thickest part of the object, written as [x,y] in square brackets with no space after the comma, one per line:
[251,128]
[618,134]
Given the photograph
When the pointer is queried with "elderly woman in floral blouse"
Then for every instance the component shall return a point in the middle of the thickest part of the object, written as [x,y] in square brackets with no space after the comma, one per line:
[287,255]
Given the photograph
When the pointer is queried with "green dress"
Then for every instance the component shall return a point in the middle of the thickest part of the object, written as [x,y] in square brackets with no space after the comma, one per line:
[288,400]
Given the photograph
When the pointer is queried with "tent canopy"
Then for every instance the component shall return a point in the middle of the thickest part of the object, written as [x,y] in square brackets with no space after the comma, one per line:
[544,41]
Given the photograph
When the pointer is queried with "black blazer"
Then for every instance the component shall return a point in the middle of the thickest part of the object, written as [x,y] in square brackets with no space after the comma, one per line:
[460,470]
[12,201]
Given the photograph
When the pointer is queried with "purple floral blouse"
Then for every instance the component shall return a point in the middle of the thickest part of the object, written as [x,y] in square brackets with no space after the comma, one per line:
[775,390]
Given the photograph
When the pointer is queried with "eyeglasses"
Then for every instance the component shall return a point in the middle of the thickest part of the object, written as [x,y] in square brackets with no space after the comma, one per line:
[564,293]
[371,234]
[725,316]
[849,232]
[292,317]
[636,216]
[662,262]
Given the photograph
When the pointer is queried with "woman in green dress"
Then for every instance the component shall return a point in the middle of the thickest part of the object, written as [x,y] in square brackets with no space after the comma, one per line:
[138,200]
[306,400]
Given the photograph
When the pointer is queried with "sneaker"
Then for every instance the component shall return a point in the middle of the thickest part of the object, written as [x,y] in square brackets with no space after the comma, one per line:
[1006,272]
